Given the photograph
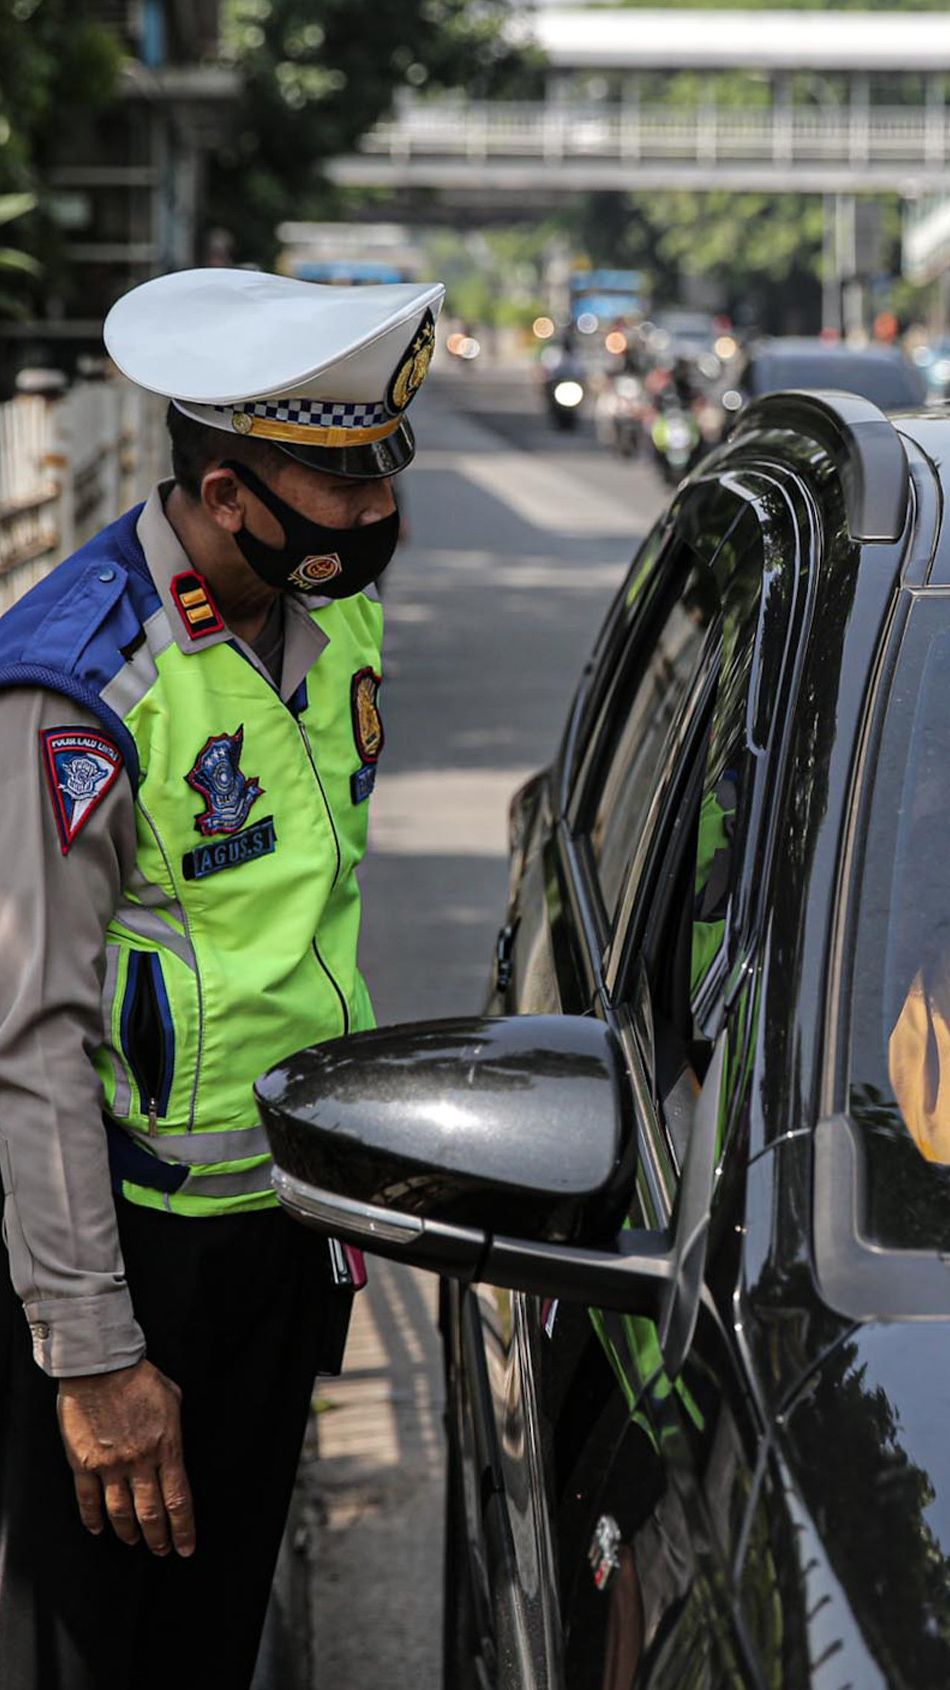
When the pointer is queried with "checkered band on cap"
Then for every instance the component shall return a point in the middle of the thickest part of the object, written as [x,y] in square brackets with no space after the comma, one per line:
[311,413]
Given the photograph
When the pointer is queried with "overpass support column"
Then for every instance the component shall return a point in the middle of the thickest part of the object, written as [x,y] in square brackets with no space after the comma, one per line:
[935,132]
[630,117]
[860,116]
[830,273]
[782,121]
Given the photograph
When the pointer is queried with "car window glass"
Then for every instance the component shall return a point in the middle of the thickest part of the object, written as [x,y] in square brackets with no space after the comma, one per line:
[656,693]
[747,572]
[900,1002]
[683,946]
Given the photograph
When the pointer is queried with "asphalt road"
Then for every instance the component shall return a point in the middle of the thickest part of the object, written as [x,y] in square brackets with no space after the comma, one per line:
[517,538]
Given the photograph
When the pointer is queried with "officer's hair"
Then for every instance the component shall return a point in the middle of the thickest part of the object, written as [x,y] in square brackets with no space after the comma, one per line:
[195,447]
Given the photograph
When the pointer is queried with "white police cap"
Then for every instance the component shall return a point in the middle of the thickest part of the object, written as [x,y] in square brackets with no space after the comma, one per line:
[324,373]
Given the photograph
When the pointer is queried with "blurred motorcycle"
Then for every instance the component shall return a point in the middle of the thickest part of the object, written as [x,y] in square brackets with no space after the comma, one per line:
[675,437]
[564,392]
[619,414]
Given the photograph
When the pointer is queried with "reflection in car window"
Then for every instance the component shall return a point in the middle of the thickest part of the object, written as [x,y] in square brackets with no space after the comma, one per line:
[900,1087]
[628,786]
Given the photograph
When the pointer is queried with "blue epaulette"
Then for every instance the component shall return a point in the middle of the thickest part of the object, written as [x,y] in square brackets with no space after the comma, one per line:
[75,629]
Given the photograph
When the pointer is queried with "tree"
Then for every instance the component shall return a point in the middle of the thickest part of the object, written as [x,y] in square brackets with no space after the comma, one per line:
[319,73]
[58,65]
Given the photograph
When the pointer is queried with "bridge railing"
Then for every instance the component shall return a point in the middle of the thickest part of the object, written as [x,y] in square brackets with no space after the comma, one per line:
[854,135]
[69,465]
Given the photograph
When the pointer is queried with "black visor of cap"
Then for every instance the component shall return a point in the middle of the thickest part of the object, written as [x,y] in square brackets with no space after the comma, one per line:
[357,463]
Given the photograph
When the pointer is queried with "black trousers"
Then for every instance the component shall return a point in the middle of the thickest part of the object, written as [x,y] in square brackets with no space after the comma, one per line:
[240,1311]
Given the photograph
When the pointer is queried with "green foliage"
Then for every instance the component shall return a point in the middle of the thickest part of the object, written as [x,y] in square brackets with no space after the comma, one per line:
[12,259]
[58,64]
[319,73]
[493,278]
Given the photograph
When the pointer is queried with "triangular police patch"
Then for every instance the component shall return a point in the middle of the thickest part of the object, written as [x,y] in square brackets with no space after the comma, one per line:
[81,765]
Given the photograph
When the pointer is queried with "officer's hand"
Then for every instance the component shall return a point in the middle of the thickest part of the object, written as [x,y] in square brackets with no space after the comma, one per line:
[122,1433]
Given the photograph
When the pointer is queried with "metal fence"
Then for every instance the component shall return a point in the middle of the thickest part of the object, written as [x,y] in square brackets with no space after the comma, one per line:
[68,466]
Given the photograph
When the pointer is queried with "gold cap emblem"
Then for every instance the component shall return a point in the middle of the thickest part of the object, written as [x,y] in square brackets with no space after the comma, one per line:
[241,422]
[412,369]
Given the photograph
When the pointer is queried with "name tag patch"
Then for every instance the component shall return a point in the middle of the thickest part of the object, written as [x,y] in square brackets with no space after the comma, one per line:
[362,783]
[258,840]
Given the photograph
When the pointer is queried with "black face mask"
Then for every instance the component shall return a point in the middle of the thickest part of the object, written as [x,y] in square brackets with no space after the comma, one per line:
[336,562]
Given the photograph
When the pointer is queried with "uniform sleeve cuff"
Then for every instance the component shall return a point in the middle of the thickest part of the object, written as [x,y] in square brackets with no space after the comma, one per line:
[78,1335]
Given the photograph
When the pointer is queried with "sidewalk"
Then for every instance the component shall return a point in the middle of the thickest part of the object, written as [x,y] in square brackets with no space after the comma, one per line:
[370,1494]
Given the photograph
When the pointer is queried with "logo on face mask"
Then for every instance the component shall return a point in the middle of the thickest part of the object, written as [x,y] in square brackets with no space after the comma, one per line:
[313,572]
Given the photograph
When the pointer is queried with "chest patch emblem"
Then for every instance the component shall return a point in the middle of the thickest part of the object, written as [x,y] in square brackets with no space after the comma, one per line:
[367,721]
[81,766]
[367,731]
[228,793]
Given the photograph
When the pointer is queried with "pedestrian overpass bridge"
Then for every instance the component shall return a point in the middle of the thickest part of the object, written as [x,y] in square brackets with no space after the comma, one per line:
[522,148]
[844,102]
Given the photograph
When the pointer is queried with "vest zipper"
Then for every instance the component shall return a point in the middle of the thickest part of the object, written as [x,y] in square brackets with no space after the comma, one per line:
[148,1036]
[336,875]
[316,775]
[160,844]
[343,1005]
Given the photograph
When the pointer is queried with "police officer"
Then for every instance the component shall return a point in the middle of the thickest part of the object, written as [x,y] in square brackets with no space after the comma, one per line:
[189,735]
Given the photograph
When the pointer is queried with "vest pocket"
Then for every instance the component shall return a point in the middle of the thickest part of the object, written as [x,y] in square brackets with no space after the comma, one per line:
[148,1034]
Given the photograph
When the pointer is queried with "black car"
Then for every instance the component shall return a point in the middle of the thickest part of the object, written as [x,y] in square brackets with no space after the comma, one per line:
[879,373]
[701,1441]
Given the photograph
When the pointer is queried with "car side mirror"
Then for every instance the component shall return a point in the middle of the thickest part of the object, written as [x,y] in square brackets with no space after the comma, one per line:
[498,1149]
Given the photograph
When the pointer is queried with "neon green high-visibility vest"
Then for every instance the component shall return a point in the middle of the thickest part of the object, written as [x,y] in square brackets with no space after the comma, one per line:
[235,941]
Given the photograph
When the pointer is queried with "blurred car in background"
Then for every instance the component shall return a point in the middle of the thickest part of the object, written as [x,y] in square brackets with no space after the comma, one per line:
[678,332]
[789,363]
[933,361]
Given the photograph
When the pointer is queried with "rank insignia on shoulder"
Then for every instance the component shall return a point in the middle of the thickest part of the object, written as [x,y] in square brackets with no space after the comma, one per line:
[228,793]
[81,766]
[195,606]
[367,721]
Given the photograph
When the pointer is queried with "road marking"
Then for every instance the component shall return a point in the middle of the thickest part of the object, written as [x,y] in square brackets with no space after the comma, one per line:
[444,812]
[440,567]
[538,492]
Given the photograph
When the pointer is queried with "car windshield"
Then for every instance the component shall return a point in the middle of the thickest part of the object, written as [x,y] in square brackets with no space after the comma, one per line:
[889,383]
[900,1012]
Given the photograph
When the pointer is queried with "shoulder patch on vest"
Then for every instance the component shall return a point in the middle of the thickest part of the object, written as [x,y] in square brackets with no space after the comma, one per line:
[194,604]
[81,766]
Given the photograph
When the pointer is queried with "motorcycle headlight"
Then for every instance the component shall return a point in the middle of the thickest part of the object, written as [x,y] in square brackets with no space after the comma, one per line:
[569,394]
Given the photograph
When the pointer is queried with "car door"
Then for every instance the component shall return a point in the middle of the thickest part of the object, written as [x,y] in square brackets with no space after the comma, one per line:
[652,662]
[647,707]
[675,1498]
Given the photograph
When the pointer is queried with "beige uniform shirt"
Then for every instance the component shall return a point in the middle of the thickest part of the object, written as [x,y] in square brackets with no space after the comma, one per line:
[59,1215]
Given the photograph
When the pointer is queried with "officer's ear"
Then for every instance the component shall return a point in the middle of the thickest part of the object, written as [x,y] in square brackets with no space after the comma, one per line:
[223,498]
